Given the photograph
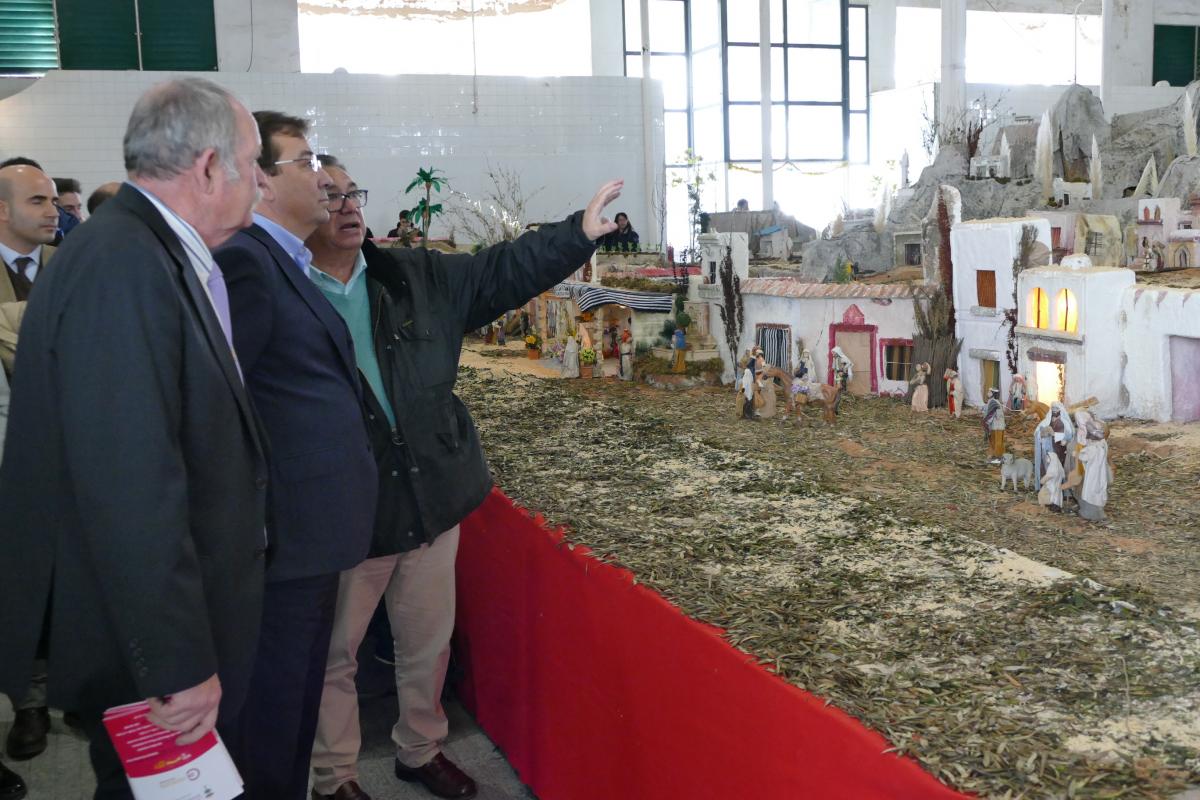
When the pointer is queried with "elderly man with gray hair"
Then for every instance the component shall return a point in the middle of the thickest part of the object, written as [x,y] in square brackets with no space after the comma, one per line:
[133,481]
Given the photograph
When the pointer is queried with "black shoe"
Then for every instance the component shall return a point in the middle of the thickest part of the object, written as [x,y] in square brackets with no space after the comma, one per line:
[11,785]
[27,737]
[440,776]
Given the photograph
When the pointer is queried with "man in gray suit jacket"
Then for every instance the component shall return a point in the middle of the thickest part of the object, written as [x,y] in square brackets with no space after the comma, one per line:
[134,475]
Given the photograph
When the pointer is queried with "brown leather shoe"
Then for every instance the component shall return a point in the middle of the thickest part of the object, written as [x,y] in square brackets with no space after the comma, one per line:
[27,737]
[350,790]
[439,776]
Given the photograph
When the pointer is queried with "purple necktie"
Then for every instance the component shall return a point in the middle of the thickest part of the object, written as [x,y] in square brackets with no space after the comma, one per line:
[220,301]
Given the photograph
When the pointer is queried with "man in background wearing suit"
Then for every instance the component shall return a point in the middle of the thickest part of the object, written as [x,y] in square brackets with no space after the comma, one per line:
[134,478]
[299,363]
[28,221]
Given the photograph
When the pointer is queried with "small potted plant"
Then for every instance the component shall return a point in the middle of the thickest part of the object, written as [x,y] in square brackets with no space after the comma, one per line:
[587,360]
[533,345]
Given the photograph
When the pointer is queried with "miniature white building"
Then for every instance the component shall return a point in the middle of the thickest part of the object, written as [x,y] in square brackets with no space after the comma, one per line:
[990,167]
[773,242]
[1161,329]
[872,323]
[1157,219]
[714,246]
[983,253]
[1068,338]
[1067,193]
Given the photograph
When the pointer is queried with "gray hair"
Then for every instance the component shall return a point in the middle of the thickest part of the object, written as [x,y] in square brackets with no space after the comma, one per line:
[174,122]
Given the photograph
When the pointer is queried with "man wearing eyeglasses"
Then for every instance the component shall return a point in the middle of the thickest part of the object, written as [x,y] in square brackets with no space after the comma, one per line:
[298,360]
[407,310]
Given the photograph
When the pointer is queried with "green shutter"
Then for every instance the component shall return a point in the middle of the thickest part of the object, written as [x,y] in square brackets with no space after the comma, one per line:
[97,34]
[178,35]
[1175,57]
[27,43]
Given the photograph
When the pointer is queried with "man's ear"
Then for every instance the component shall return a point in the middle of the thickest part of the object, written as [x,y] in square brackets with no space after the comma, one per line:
[205,170]
[5,210]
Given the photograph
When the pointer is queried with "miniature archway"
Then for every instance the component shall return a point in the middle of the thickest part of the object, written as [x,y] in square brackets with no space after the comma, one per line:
[1066,311]
[1038,308]
[1181,259]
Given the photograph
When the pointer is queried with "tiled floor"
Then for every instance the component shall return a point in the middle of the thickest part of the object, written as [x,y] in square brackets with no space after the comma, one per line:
[63,772]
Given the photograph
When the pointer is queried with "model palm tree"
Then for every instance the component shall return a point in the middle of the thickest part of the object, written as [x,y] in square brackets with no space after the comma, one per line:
[432,182]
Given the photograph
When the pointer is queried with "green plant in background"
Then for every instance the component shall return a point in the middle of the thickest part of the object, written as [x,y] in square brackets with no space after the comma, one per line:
[843,271]
[683,320]
[425,209]
[587,356]
[694,182]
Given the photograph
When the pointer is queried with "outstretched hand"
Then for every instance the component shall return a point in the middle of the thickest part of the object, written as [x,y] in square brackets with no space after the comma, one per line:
[595,224]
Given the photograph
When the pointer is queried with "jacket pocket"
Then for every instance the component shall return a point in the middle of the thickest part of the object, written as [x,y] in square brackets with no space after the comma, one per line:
[449,431]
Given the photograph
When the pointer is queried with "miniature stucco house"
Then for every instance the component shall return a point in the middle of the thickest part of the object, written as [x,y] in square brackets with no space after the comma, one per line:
[983,253]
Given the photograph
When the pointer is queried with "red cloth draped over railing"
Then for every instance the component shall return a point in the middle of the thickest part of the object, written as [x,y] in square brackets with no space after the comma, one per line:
[596,688]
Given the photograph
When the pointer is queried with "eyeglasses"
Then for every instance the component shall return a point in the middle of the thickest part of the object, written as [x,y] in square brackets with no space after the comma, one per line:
[357,198]
[311,160]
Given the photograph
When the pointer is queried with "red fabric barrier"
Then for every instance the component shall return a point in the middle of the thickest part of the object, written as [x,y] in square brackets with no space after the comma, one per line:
[599,689]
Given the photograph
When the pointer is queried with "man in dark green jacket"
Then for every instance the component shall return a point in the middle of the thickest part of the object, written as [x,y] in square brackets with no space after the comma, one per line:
[407,311]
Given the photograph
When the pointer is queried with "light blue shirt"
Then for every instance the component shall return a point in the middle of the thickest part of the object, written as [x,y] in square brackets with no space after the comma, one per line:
[10,257]
[353,302]
[292,244]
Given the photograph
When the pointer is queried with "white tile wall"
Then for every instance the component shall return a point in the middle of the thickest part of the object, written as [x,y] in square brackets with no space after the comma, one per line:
[564,136]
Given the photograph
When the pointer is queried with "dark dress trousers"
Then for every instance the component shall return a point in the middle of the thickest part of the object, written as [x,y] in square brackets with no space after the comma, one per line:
[298,359]
[133,485]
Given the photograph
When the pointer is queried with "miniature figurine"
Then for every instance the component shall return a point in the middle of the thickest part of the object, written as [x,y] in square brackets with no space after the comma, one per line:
[843,369]
[501,334]
[747,392]
[765,405]
[920,397]
[1092,458]
[1051,493]
[1014,469]
[993,426]
[570,365]
[1017,393]
[954,392]
[626,349]
[679,343]
[1054,434]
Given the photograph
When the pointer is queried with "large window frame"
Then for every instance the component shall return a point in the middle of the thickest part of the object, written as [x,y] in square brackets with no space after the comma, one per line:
[631,54]
[851,53]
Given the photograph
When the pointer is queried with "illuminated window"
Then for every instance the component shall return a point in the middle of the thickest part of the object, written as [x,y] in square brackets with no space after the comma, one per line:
[1066,312]
[1038,315]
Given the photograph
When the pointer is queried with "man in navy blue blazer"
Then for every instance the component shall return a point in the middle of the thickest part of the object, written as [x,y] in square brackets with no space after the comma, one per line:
[298,361]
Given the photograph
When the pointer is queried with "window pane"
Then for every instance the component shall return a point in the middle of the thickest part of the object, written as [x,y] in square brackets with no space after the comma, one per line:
[814,22]
[858,86]
[815,132]
[706,24]
[745,132]
[675,135]
[633,66]
[779,132]
[672,71]
[633,25]
[777,22]
[709,133]
[706,78]
[745,74]
[778,88]
[814,74]
[859,149]
[741,26]
[744,185]
[858,31]
[666,26]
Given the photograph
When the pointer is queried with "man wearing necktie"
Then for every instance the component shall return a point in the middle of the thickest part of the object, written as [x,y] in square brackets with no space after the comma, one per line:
[28,220]
[299,364]
[134,474]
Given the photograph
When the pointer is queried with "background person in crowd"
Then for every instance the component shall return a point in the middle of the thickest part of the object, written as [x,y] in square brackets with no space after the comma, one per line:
[134,478]
[624,237]
[298,359]
[28,221]
[407,311]
[105,191]
[70,206]
[12,787]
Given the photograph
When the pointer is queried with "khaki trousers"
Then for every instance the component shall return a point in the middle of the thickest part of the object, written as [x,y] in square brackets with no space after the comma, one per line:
[418,588]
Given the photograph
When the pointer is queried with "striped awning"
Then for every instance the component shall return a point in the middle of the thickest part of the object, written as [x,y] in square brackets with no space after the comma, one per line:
[588,296]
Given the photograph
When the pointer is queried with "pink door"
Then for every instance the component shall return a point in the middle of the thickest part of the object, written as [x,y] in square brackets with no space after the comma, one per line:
[1185,379]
